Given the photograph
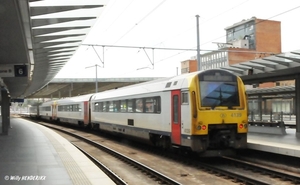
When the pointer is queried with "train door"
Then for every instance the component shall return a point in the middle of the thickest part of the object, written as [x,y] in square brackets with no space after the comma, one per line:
[86,112]
[54,111]
[176,117]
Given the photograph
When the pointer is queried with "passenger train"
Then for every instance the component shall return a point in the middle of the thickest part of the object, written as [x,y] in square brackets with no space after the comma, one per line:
[199,111]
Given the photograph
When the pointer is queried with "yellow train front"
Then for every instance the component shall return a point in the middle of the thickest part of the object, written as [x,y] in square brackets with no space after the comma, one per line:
[219,115]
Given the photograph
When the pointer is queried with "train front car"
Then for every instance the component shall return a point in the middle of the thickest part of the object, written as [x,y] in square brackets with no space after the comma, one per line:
[219,112]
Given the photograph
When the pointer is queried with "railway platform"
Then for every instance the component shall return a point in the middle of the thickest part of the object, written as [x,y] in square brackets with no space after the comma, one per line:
[32,154]
[285,144]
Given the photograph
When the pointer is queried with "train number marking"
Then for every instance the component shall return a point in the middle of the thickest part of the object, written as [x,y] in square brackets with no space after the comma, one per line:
[223,115]
[236,114]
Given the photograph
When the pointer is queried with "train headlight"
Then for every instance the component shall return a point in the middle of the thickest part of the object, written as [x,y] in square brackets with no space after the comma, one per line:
[241,126]
[199,125]
[203,127]
[245,125]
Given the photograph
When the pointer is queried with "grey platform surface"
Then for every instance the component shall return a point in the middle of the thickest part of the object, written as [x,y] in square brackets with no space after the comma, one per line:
[287,144]
[32,154]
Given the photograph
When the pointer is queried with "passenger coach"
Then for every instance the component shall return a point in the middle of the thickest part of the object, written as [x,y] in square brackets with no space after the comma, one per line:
[201,111]
[197,111]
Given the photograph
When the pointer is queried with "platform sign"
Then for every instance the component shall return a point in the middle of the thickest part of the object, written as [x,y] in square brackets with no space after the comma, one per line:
[17,100]
[7,71]
[20,70]
[10,70]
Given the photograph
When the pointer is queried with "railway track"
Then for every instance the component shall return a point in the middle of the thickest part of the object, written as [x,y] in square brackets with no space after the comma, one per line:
[249,173]
[232,171]
[243,172]
[143,170]
[280,175]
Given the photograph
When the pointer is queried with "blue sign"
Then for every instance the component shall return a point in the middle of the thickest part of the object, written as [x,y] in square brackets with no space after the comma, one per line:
[17,100]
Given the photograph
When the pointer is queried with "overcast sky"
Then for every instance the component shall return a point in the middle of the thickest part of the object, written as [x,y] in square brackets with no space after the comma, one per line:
[169,24]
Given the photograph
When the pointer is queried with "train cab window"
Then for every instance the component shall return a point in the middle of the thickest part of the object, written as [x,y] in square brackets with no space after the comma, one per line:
[184,98]
[123,107]
[129,105]
[218,88]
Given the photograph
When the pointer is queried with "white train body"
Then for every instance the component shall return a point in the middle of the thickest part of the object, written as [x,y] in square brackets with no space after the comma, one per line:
[34,111]
[137,124]
[73,110]
[200,111]
[45,110]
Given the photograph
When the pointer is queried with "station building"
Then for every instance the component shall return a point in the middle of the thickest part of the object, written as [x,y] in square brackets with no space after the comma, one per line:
[247,40]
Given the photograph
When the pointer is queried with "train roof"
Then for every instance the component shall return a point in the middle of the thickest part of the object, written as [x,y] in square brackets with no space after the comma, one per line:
[68,100]
[74,99]
[162,84]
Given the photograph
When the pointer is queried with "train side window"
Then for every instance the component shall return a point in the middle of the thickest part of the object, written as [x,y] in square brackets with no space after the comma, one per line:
[157,105]
[184,98]
[123,106]
[77,108]
[129,105]
[139,105]
[149,104]
[110,106]
[100,109]
[96,107]
[117,106]
[104,107]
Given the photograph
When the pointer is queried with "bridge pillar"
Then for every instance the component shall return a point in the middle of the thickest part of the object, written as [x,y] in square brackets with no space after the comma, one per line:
[297,104]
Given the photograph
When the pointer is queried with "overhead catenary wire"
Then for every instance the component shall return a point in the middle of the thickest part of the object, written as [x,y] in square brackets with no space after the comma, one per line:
[179,49]
[202,23]
[192,49]
[141,20]
[236,30]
